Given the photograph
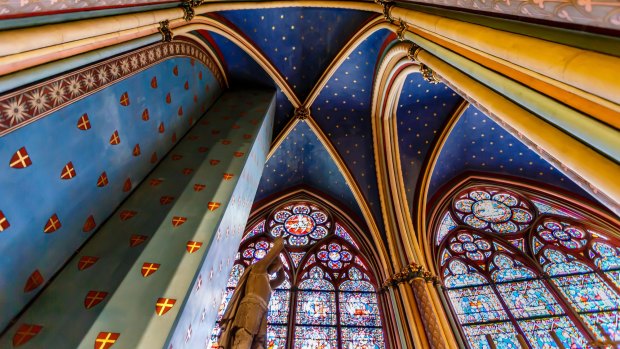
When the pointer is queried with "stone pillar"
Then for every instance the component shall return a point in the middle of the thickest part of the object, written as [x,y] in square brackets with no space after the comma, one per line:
[429,318]
[153,275]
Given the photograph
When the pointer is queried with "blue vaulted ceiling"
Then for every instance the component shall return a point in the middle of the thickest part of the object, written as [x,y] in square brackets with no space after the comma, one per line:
[342,109]
[478,144]
[302,160]
[300,42]
[423,110]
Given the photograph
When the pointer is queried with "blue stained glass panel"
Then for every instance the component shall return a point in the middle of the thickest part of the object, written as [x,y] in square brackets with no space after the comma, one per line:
[310,337]
[446,225]
[476,304]
[258,229]
[614,276]
[235,275]
[503,334]
[609,321]
[361,286]
[362,338]
[341,232]
[278,307]
[529,298]
[316,308]
[537,333]
[587,292]
[276,336]
[225,299]
[359,309]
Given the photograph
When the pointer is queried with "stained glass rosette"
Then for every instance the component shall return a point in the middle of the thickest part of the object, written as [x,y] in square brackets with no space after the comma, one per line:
[562,234]
[335,256]
[493,211]
[472,246]
[255,251]
[300,224]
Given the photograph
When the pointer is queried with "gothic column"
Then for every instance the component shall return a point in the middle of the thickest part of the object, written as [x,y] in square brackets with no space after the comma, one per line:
[154,273]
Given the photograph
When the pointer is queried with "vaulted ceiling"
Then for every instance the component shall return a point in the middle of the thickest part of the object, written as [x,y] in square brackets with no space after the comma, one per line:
[332,152]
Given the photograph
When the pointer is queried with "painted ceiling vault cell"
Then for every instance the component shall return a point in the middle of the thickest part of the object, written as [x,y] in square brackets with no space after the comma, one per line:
[300,42]
[423,110]
[342,110]
[478,144]
[301,159]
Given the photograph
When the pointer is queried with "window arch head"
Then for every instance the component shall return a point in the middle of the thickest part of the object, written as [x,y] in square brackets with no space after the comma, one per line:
[522,263]
[330,284]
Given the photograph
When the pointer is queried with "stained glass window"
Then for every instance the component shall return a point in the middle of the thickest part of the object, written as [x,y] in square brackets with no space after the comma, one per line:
[328,282]
[516,265]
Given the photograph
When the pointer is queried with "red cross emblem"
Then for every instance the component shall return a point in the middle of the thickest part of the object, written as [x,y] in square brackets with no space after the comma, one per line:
[20,159]
[127,214]
[136,150]
[125,99]
[24,333]
[174,137]
[187,171]
[168,98]
[199,187]
[83,123]
[177,157]
[212,206]
[191,121]
[238,154]
[177,221]
[163,305]
[193,246]
[68,171]
[127,185]
[228,176]
[215,132]
[175,70]
[199,282]
[155,182]
[203,149]
[180,111]
[161,127]
[149,269]
[247,136]
[4,222]
[154,157]
[34,280]
[86,262]
[53,224]
[93,298]
[106,340]
[89,224]
[136,240]
[186,85]
[154,82]
[165,200]
[214,162]
[145,115]
[200,75]
[226,141]
[235,127]
[103,179]
[114,138]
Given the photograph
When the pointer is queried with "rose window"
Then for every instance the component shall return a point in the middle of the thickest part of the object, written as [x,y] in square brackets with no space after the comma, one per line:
[473,246]
[334,255]
[300,224]
[563,234]
[256,251]
[493,211]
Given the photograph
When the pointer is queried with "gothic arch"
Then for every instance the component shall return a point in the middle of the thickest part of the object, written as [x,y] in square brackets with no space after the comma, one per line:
[526,264]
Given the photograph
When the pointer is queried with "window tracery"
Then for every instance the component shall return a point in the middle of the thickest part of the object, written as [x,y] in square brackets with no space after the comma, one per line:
[329,299]
[519,265]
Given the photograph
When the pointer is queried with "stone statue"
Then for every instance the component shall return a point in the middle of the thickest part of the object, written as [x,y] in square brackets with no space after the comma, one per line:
[244,324]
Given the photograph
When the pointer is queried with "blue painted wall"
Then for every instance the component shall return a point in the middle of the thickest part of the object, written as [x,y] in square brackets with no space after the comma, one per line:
[30,196]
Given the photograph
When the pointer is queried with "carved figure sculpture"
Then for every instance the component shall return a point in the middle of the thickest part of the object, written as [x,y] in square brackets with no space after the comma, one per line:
[244,324]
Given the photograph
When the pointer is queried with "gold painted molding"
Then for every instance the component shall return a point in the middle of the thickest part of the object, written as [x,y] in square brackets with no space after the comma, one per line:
[210,51]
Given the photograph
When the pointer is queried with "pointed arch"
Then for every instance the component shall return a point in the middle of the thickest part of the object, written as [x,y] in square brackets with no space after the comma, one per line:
[526,265]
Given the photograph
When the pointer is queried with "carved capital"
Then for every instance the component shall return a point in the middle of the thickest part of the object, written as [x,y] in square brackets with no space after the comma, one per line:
[164,30]
[188,11]
[302,113]
[387,6]
[409,273]
[413,52]
[428,74]
[402,28]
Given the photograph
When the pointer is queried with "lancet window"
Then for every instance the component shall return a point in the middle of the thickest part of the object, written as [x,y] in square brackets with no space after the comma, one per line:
[329,300]
[522,270]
